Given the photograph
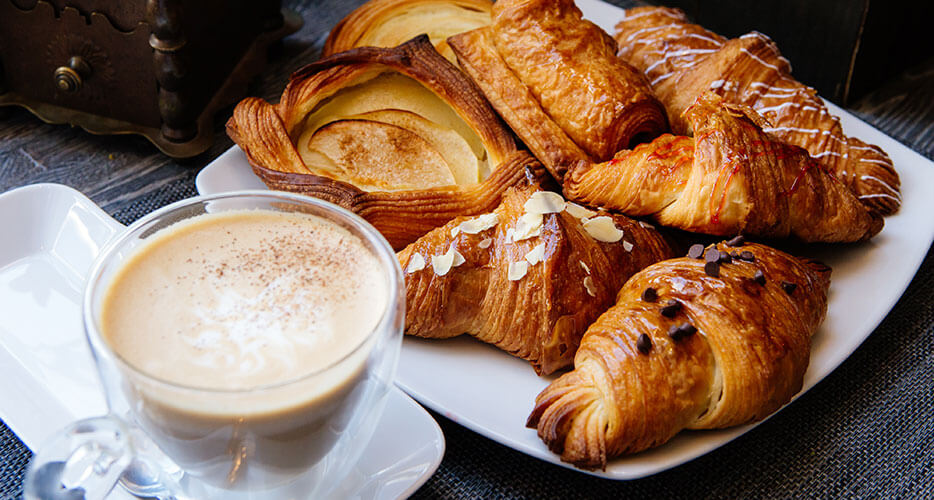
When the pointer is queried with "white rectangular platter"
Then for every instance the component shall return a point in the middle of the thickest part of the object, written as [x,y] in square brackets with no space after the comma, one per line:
[492,393]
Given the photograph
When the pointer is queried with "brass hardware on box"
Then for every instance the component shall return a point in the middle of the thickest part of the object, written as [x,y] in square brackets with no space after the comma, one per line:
[70,77]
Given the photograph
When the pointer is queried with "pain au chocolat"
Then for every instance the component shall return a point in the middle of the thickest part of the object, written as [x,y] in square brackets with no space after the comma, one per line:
[387,23]
[729,178]
[698,352]
[398,135]
[554,77]
[528,277]
[682,60]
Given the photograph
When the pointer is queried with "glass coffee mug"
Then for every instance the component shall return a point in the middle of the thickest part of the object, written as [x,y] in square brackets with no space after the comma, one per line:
[288,439]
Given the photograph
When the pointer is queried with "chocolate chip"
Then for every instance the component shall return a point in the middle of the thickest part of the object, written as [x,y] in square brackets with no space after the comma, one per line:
[759,277]
[789,287]
[644,344]
[747,256]
[738,241]
[649,295]
[687,329]
[712,269]
[671,308]
[725,258]
[675,333]
[712,255]
[696,251]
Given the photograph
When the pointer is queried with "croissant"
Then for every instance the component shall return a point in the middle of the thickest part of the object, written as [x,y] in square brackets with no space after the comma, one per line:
[730,178]
[555,79]
[387,23]
[398,135]
[682,60]
[528,277]
[686,347]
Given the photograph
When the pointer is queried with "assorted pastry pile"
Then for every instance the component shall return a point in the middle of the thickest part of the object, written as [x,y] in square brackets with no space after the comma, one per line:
[418,119]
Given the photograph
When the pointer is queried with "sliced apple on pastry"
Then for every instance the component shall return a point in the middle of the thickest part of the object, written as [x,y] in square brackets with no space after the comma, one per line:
[398,135]
[380,156]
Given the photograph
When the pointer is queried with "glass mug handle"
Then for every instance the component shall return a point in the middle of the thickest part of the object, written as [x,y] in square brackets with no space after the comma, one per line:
[86,460]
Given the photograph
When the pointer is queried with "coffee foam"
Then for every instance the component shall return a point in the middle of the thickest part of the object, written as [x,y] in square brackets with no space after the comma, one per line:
[244,299]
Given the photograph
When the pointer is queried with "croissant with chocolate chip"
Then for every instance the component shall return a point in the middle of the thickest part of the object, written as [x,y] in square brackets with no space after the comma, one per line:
[690,344]
[555,78]
[528,277]
[730,178]
[682,60]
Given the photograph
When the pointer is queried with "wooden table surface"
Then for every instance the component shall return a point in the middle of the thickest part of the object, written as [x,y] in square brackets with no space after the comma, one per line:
[126,176]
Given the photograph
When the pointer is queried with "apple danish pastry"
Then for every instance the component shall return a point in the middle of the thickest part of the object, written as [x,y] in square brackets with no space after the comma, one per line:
[686,348]
[528,277]
[387,23]
[555,79]
[730,178]
[682,60]
[398,135]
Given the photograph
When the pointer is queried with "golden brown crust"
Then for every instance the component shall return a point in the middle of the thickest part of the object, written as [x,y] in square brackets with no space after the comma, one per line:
[540,316]
[730,178]
[268,134]
[747,358]
[682,60]
[538,62]
[387,23]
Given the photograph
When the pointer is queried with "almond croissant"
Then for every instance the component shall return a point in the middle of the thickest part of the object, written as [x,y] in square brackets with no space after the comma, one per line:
[730,178]
[682,60]
[528,277]
[686,346]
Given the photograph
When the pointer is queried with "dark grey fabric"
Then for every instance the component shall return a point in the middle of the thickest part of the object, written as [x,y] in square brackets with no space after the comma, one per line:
[866,431]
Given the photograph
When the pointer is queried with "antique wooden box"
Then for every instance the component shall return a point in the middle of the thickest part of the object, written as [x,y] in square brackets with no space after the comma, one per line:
[159,68]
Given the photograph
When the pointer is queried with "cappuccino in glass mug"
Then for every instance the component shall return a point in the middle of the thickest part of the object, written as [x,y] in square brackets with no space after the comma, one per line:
[246,344]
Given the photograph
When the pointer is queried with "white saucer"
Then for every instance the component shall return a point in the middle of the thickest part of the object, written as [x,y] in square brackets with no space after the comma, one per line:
[51,235]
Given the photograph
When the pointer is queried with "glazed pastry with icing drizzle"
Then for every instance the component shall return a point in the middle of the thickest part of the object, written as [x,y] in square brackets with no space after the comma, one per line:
[699,352]
[555,79]
[528,277]
[682,60]
[730,178]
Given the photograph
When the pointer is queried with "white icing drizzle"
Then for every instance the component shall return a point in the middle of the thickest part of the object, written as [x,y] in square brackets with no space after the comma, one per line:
[879,195]
[759,60]
[883,183]
[873,160]
[678,53]
[627,15]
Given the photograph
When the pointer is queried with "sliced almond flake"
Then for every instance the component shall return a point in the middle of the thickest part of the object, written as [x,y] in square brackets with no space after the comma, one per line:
[442,263]
[545,202]
[517,270]
[485,243]
[455,231]
[588,284]
[579,212]
[587,269]
[528,226]
[536,254]
[510,233]
[603,229]
[478,224]
[416,263]
[627,246]
[458,258]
